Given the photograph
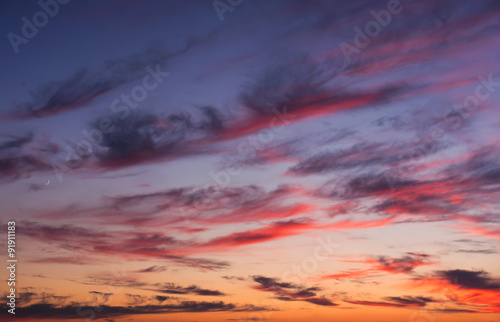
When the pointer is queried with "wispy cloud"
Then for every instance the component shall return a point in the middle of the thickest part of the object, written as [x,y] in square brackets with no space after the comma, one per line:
[285,291]
[385,265]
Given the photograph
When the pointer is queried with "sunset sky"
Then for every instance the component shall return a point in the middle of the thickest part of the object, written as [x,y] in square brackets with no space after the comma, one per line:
[238,160]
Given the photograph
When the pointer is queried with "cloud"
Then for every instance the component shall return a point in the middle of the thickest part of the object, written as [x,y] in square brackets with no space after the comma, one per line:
[268,283]
[478,280]
[171,288]
[303,89]
[114,279]
[404,264]
[22,156]
[207,206]
[25,297]
[127,244]
[320,301]
[411,299]
[477,251]
[482,231]
[136,299]
[474,290]
[362,185]
[357,156]
[431,191]
[76,260]
[131,281]
[277,230]
[143,138]
[397,302]
[17,142]
[457,311]
[233,278]
[83,86]
[385,265]
[285,291]
[198,263]
[153,269]
[64,233]
[387,304]
[161,298]
[50,311]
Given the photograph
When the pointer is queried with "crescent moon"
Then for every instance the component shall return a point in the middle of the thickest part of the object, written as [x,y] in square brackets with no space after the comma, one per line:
[48,182]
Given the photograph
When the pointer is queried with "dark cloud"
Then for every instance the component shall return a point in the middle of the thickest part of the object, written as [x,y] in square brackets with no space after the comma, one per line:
[478,280]
[304,89]
[161,298]
[268,283]
[362,155]
[129,281]
[50,311]
[171,288]
[81,87]
[136,137]
[477,251]
[299,80]
[409,300]
[143,137]
[16,142]
[233,278]
[469,290]
[26,297]
[30,296]
[363,185]
[456,311]
[198,263]
[285,291]
[153,269]
[320,301]
[394,122]
[25,155]
[398,302]
[213,119]
[405,264]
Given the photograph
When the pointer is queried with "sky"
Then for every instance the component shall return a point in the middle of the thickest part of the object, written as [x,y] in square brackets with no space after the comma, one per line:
[237,160]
